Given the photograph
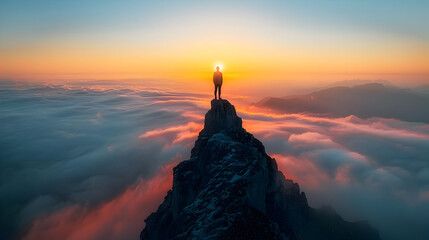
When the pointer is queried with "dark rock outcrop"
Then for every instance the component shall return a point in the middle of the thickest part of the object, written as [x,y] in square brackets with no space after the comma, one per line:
[231,189]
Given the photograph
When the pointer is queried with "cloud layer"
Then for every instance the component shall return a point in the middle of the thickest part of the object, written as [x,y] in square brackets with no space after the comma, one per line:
[373,169]
[64,147]
[92,162]
[119,218]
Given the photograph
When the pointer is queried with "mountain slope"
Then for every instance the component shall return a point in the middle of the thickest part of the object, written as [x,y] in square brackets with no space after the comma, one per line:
[231,189]
[364,101]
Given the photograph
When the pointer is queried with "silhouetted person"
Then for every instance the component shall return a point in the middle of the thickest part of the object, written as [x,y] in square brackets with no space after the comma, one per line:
[217,80]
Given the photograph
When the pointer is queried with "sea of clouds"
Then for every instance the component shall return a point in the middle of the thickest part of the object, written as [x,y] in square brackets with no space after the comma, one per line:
[92,161]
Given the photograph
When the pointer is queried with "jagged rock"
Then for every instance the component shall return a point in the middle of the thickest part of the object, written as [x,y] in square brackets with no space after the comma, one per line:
[221,116]
[231,189]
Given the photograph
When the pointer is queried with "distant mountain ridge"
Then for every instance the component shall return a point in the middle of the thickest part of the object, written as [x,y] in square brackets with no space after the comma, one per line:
[352,83]
[231,189]
[364,101]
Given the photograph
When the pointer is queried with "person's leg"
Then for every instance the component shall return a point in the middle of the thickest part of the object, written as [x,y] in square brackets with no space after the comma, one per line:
[220,86]
[215,91]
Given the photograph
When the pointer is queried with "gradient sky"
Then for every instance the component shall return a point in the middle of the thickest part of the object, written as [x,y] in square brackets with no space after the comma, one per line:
[283,42]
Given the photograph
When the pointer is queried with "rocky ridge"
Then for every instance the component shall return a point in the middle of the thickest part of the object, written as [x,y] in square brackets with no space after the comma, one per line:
[231,189]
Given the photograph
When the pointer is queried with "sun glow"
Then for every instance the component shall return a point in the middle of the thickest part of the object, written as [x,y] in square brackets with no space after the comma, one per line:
[218,65]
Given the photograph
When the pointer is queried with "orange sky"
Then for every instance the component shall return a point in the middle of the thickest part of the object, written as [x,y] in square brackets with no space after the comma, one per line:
[260,46]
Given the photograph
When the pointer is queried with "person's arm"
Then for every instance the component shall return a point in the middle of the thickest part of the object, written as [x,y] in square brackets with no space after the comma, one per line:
[221,77]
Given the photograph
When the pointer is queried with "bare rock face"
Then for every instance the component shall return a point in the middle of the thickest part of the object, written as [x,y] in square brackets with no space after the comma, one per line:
[221,116]
[231,189]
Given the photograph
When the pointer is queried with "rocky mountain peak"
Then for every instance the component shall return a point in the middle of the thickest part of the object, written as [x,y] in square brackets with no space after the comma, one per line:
[231,189]
[221,116]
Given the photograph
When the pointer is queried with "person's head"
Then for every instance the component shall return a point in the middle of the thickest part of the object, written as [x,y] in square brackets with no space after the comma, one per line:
[217,68]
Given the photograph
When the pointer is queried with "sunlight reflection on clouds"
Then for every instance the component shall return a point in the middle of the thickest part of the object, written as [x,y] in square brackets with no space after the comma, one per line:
[85,148]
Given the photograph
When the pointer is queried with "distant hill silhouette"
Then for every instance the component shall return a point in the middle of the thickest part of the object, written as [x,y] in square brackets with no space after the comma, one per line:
[364,101]
[422,89]
[352,83]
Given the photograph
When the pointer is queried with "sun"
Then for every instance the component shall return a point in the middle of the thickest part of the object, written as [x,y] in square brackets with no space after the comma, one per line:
[220,66]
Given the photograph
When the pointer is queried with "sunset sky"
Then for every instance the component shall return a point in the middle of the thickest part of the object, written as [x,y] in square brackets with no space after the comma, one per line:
[99,100]
[293,43]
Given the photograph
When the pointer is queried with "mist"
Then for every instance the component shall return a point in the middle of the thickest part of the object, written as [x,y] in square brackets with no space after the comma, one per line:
[75,155]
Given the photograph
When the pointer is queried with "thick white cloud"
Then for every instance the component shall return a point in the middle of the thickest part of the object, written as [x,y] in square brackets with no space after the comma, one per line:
[374,169]
[64,146]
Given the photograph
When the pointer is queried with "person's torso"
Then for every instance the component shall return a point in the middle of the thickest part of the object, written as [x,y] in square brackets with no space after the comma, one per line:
[217,78]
